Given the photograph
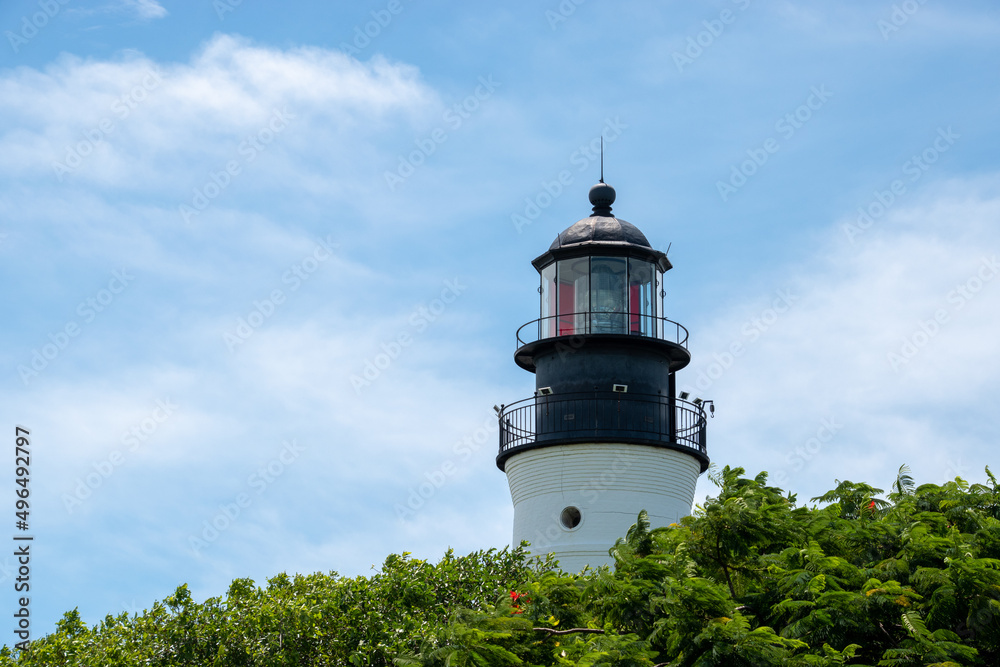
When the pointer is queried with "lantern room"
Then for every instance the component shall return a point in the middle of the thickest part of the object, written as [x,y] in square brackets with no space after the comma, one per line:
[601,276]
[600,294]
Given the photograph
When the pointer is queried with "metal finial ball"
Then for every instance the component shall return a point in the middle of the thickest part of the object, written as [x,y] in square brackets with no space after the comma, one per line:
[602,196]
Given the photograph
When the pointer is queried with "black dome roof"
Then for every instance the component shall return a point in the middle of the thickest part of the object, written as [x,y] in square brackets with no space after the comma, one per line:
[600,229]
[602,233]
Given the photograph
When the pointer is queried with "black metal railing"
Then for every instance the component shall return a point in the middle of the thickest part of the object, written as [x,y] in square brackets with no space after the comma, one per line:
[594,322]
[649,419]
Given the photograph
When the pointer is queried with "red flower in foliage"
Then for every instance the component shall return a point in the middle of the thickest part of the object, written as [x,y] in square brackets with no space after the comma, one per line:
[516,597]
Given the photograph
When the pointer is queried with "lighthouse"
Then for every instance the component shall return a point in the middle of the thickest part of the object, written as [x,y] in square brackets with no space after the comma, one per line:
[604,435]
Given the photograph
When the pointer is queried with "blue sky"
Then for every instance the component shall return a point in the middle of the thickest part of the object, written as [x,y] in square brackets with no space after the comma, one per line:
[264,263]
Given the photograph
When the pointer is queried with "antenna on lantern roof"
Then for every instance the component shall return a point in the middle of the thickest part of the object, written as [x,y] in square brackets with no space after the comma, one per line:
[602,195]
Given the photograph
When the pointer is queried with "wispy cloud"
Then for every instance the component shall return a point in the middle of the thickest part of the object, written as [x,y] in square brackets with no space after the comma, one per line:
[145,10]
[891,338]
[131,124]
[133,10]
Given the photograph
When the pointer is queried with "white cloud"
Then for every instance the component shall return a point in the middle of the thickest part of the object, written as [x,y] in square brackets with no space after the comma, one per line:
[892,337]
[142,10]
[144,126]
[145,9]
[155,131]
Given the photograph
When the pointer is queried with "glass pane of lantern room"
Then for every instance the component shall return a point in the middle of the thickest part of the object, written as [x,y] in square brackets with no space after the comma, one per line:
[572,279]
[607,295]
[547,323]
[641,287]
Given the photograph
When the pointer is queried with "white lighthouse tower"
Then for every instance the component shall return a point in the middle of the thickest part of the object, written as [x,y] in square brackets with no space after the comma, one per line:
[604,436]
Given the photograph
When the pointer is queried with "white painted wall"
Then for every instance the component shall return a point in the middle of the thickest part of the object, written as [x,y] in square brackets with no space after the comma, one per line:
[609,483]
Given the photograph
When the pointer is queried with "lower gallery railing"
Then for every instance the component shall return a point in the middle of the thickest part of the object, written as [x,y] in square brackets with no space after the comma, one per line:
[602,416]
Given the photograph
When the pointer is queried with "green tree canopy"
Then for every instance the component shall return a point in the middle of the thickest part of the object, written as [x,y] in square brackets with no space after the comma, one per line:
[751,578]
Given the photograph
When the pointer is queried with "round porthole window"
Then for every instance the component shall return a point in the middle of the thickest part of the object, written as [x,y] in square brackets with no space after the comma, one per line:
[570,518]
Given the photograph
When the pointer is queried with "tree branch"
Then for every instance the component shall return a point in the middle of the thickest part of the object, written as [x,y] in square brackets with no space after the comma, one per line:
[552,631]
[725,570]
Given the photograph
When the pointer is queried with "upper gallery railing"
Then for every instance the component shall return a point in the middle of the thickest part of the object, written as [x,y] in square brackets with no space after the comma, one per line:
[594,322]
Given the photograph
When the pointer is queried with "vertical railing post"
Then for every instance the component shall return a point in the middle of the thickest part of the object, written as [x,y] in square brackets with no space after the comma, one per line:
[703,440]
[672,408]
